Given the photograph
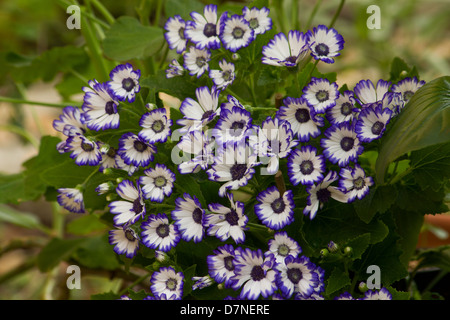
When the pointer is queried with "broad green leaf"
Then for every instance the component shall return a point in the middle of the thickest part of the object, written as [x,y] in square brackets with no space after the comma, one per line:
[431,166]
[85,224]
[12,189]
[128,39]
[379,199]
[337,280]
[400,70]
[408,227]
[57,250]
[182,8]
[96,252]
[423,122]
[359,245]
[179,87]
[437,257]
[19,218]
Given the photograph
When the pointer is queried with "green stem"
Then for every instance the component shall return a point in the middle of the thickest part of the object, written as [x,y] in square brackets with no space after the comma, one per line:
[280,14]
[37,103]
[102,9]
[336,15]
[313,14]
[139,280]
[95,50]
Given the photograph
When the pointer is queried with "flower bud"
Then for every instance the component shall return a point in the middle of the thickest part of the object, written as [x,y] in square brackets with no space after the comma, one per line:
[235,56]
[150,106]
[363,287]
[348,251]
[104,188]
[333,247]
[324,253]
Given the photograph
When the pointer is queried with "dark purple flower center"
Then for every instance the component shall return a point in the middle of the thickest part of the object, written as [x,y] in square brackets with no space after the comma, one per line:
[377,127]
[306,167]
[129,234]
[322,95]
[347,143]
[302,115]
[228,262]
[322,49]
[197,215]
[359,183]
[137,206]
[238,33]
[238,171]
[323,195]
[163,230]
[158,126]
[346,108]
[139,146]
[87,147]
[208,114]
[110,107]
[294,274]
[278,205]
[128,84]
[210,30]
[257,273]
[232,217]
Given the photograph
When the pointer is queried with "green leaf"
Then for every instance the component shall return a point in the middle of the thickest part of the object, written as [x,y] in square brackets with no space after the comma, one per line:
[12,188]
[431,166]
[423,122]
[55,251]
[437,257]
[400,70]
[96,252]
[128,39]
[378,200]
[337,280]
[105,296]
[182,8]
[359,245]
[408,227]
[179,87]
[85,224]
[19,218]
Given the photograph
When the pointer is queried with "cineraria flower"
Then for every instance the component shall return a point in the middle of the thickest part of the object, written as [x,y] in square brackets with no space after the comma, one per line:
[226,222]
[234,166]
[305,166]
[282,246]
[189,218]
[296,275]
[104,188]
[232,126]
[273,209]
[125,82]
[321,94]
[174,70]
[354,182]
[109,158]
[131,208]
[71,199]
[366,92]
[129,168]
[407,87]
[372,122]
[201,282]
[204,110]
[100,107]
[344,296]
[157,182]
[382,294]
[221,265]
[223,78]
[343,111]
[200,150]
[341,144]
[157,233]
[392,101]
[135,151]
[168,282]
[302,118]
[325,43]
[285,51]
[196,61]
[204,30]
[258,19]
[84,150]
[156,126]
[235,32]
[321,193]
[70,122]
[175,33]
[254,273]
[276,141]
[231,102]
[125,240]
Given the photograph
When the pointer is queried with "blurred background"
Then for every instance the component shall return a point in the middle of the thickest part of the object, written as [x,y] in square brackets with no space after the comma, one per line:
[417,31]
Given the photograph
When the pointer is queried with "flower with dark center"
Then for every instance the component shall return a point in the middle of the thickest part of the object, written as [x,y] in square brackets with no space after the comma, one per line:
[322,49]
[210,30]
[372,122]
[157,182]
[275,210]
[347,143]
[305,166]
[189,217]
[302,115]
[278,205]
[131,208]
[257,273]
[238,171]
[325,43]
[157,233]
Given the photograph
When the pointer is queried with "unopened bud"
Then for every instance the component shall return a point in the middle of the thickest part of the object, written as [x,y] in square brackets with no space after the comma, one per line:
[150,106]
[324,253]
[348,251]
[235,56]
[333,247]
[363,287]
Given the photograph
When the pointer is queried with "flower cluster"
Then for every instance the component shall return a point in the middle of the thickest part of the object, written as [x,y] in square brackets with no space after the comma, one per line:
[315,138]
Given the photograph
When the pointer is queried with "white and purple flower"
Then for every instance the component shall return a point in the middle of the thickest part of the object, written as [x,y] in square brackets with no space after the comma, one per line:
[288,51]
[305,166]
[157,183]
[189,217]
[125,82]
[321,94]
[275,210]
[131,208]
[235,32]
[325,43]
[158,233]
